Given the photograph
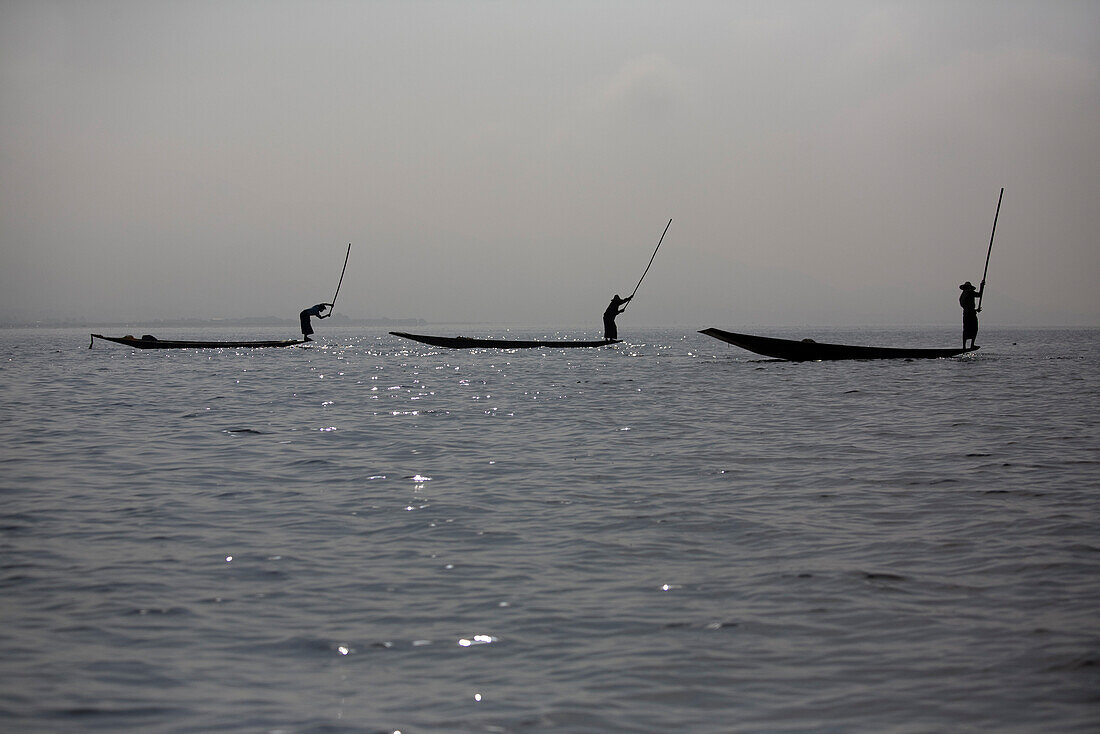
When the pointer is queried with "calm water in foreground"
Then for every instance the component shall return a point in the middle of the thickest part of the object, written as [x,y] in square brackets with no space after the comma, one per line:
[371,535]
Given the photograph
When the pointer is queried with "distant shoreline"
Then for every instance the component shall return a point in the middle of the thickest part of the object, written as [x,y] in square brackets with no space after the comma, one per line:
[385,322]
[336,320]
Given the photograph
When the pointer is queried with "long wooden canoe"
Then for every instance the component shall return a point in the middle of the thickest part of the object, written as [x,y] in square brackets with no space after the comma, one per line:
[145,343]
[467,342]
[811,351]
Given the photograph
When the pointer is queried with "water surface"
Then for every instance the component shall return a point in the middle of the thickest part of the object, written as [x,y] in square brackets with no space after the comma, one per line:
[670,534]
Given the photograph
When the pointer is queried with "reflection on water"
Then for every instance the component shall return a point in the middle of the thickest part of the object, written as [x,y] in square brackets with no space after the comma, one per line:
[668,534]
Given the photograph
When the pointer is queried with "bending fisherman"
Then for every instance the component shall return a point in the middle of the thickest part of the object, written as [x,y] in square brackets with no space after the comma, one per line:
[307,327]
[970,311]
[610,331]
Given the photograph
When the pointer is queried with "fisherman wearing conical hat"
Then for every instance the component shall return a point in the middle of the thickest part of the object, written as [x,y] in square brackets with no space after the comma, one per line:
[616,307]
[970,311]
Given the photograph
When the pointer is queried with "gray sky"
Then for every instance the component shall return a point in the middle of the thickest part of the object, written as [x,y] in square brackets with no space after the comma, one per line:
[825,163]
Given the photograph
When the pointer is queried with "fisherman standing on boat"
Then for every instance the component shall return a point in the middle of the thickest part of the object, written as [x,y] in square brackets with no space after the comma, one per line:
[307,327]
[610,331]
[970,311]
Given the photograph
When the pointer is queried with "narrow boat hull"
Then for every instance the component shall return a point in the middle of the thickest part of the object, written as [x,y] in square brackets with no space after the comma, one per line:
[169,344]
[811,351]
[466,342]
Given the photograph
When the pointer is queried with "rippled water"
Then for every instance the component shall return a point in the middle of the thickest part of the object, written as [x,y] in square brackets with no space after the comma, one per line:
[371,535]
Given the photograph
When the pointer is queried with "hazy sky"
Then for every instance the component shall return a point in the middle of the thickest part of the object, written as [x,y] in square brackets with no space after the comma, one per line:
[824,162]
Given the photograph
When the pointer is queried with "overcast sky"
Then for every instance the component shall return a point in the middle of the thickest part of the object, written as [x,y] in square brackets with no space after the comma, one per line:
[824,162]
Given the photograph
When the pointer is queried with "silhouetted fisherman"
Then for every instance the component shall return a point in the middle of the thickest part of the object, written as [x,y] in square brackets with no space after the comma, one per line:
[970,311]
[307,327]
[610,332]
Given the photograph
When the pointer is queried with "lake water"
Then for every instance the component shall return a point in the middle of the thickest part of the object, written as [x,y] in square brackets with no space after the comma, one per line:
[670,534]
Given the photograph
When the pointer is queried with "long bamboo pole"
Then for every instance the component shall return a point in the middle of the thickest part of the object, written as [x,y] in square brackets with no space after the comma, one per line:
[651,259]
[332,304]
[990,250]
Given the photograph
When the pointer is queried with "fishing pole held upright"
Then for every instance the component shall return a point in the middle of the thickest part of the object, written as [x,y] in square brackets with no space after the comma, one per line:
[332,304]
[990,250]
[651,259]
